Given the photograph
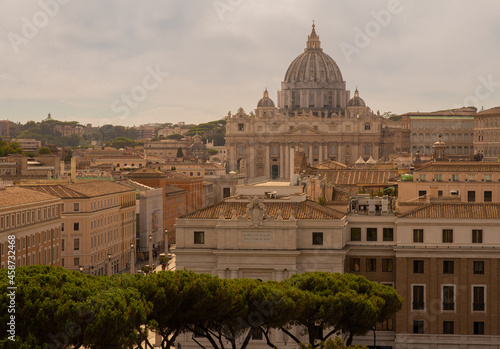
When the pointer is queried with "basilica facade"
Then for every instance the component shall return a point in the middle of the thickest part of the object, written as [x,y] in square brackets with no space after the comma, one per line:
[315,115]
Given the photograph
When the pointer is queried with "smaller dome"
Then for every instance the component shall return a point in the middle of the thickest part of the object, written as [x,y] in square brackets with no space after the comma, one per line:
[356,101]
[265,101]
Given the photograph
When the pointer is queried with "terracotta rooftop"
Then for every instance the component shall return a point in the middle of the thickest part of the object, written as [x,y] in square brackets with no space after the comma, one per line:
[170,189]
[81,190]
[15,196]
[453,167]
[456,210]
[355,177]
[301,210]
[495,110]
[449,112]
[331,165]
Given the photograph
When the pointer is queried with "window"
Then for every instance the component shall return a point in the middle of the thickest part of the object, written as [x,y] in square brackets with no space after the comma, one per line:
[199,237]
[76,262]
[438,177]
[355,264]
[257,334]
[371,264]
[471,196]
[62,245]
[488,197]
[478,327]
[355,234]
[478,298]
[418,267]
[371,234]
[76,207]
[367,126]
[387,264]
[448,297]
[477,236]
[448,267]
[76,244]
[418,326]
[422,194]
[241,127]
[317,238]
[388,234]
[418,298]
[387,325]
[471,177]
[454,178]
[447,235]
[488,178]
[76,226]
[448,327]
[62,226]
[418,235]
[478,267]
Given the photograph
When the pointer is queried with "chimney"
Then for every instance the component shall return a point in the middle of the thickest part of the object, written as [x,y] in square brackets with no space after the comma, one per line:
[73,170]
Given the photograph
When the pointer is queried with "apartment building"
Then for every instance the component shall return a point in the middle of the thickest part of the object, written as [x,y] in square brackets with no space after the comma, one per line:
[34,219]
[98,225]
[464,181]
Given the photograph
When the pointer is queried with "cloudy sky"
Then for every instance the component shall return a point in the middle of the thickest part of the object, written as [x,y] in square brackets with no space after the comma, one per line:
[134,62]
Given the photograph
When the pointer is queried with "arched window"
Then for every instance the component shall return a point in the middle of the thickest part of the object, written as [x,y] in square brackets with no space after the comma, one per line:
[414,137]
[466,137]
[427,137]
[459,150]
[367,149]
[459,137]
[332,149]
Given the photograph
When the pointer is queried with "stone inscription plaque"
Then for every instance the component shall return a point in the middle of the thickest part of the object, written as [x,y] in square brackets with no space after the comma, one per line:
[255,236]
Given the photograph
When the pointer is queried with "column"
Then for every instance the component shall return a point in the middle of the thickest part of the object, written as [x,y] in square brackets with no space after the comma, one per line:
[251,160]
[282,160]
[320,146]
[286,169]
[310,159]
[234,273]
[267,167]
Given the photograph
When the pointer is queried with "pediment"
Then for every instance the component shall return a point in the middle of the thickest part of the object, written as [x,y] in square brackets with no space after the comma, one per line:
[303,130]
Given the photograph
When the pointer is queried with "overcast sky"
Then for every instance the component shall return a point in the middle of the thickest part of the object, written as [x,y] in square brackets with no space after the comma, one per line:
[135,62]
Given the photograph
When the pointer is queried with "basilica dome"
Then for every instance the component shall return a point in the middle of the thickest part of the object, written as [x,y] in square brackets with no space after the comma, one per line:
[265,101]
[356,101]
[313,65]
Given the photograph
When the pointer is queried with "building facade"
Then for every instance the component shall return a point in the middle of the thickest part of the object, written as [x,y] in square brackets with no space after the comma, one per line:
[442,258]
[315,114]
[98,225]
[487,134]
[456,128]
[34,219]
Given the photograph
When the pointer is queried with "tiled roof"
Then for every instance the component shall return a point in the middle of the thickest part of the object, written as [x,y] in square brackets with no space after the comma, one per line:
[450,112]
[170,189]
[495,110]
[355,177]
[456,210]
[81,190]
[14,196]
[301,210]
[330,164]
[453,167]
